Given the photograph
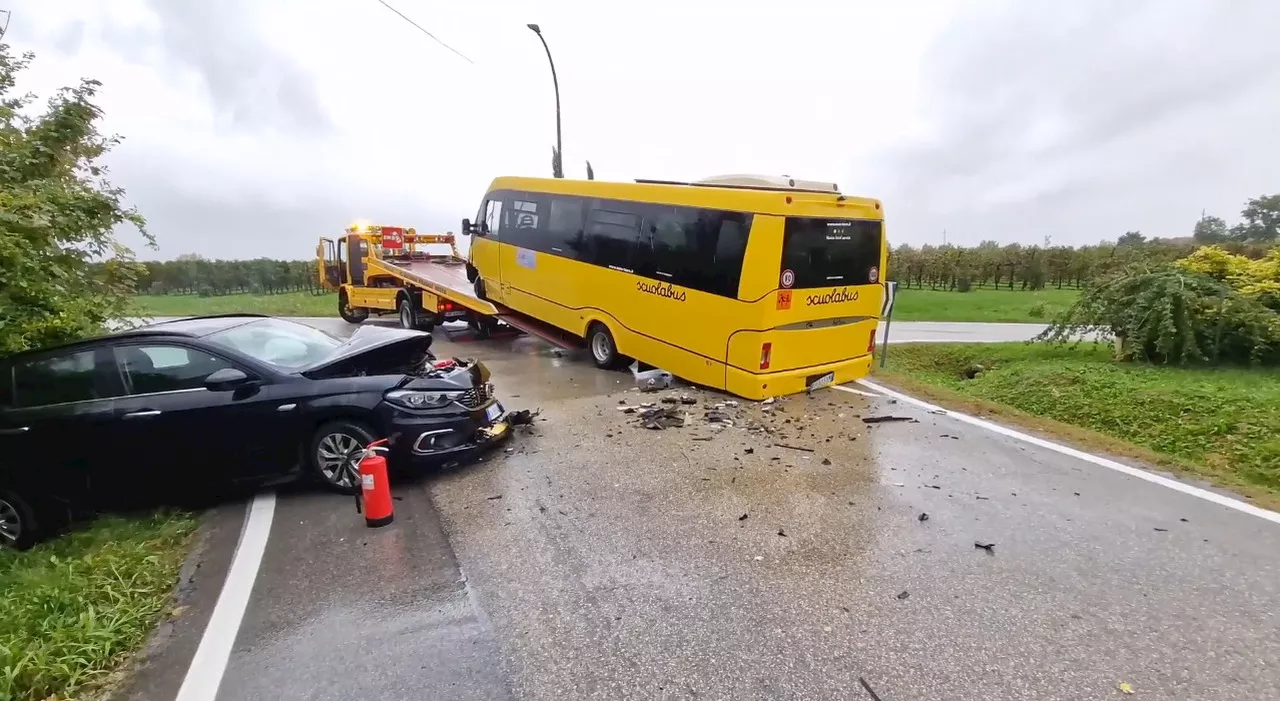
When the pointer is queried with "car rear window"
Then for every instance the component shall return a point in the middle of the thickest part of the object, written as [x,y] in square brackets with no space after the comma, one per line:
[830,252]
[57,380]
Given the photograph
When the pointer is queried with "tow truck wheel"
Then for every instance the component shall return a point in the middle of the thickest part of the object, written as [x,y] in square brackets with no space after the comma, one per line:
[604,351]
[350,314]
[408,317]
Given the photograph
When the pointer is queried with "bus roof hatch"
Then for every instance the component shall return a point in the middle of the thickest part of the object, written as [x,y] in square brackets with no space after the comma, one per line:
[769,182]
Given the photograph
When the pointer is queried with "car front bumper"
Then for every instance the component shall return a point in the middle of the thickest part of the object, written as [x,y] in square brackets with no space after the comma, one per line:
[428,439]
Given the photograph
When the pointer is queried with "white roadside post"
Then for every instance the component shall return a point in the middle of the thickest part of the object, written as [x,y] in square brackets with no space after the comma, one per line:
[886,314]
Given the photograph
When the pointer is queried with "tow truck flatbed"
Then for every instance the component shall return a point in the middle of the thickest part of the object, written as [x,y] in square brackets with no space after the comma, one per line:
[444,276]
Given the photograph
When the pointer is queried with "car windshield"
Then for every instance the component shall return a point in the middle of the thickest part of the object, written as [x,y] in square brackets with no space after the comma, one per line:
[284,344]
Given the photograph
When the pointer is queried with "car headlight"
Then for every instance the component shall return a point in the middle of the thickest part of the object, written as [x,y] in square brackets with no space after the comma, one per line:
[417,399]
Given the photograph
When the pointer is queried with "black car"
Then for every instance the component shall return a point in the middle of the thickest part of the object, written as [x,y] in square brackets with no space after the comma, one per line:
[224,399]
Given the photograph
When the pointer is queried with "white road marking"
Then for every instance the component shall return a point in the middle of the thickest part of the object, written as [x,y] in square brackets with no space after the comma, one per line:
[210,661]
[1175,485]
[851,390]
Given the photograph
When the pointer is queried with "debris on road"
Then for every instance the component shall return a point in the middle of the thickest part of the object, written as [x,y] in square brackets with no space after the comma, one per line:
[782,533]
[903,594]
[1125,687]
[923,517]
[948,435]
[651,380]
[869,690]
[989,547]
[716,416]
[743,517]
[661,418]
[749,451]
[1162,530]
[495,496]
[888,419]
[793,447]
[686,399]
[826,461]
[522,417]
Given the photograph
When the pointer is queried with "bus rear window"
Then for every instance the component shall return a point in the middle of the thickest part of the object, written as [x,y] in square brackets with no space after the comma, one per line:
[830,252]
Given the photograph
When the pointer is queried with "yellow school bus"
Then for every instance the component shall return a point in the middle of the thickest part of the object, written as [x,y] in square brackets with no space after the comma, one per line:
[756,285]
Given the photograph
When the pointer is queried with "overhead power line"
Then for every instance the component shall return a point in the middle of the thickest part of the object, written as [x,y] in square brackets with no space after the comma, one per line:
[419,27]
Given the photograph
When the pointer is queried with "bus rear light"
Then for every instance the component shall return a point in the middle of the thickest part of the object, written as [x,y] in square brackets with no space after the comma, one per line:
[871,342]
[766,349]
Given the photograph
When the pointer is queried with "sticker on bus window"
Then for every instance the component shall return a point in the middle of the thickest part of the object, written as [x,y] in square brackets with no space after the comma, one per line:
[788,277]
[873,274]
[784,299]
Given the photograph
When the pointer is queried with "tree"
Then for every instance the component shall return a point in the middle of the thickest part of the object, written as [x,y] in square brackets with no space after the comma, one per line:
[1261,219]
[1210,230]
[62,273]
[1131,238]
[557,168]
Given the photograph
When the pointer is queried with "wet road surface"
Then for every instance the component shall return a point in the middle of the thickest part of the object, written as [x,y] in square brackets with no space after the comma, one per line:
[598,559]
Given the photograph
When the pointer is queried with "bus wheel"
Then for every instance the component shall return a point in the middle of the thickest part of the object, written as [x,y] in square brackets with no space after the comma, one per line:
[482,326]
[479,285]
[472,273]
[604,352]
[350,314]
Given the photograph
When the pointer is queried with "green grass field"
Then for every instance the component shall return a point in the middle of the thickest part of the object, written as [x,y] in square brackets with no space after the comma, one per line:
[982,305]
[74,608]
[1220,424]
[911,305]
[287,304]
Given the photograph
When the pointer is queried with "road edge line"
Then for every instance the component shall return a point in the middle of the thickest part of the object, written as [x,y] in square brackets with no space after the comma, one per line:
[204,674]
[1200,493]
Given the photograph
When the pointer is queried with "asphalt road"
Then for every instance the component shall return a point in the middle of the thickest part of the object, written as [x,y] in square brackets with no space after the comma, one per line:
[597,559]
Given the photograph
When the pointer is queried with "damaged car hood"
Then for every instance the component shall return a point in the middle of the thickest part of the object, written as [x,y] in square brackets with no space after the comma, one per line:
[394,349]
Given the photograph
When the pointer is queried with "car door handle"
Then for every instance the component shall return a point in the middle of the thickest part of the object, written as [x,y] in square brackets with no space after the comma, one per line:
[142,414]
[13,431]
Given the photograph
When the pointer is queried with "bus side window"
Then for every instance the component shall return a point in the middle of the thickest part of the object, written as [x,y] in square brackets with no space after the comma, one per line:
[613,233]
[565,234]
[525,221]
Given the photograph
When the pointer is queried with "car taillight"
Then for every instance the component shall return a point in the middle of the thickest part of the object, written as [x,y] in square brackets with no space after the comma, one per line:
[871,342]
[766,349]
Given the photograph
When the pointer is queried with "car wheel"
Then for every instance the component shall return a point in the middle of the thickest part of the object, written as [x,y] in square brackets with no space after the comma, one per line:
[350,314]
[18,527]
[604,351]
[334,454]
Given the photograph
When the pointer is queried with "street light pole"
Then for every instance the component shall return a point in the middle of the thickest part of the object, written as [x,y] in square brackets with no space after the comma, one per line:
[555,82]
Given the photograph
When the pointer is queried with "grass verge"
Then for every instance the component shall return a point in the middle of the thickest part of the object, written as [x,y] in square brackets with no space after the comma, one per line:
[73,609]
[286,304]
[988,305]
[1221,425]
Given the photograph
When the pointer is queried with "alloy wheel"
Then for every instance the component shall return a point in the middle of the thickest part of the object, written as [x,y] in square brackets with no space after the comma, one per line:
[338,456]
[10,523]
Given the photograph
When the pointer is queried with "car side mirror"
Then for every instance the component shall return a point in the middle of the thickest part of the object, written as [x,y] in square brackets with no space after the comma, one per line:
[226,379]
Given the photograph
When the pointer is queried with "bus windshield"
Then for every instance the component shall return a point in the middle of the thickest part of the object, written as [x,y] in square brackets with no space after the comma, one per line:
[831,252]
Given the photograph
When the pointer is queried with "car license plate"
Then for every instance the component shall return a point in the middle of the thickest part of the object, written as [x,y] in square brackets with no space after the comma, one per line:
[822,381]
[493,412]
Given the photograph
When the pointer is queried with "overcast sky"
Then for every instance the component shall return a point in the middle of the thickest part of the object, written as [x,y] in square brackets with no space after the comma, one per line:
[253,127]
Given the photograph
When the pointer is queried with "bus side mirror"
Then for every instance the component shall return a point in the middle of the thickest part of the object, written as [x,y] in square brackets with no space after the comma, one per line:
[467,228]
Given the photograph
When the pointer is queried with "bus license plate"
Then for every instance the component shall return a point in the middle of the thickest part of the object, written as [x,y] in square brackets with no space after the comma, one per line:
[493,412]
[821,381]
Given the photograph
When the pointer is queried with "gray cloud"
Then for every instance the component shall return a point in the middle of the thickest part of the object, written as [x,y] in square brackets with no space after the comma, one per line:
[1068,115]
[247,79]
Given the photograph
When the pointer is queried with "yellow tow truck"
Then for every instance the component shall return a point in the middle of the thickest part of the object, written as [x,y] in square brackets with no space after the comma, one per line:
[393,270]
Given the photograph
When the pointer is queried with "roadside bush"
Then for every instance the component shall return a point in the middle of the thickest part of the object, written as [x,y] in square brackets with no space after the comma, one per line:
[1173,315]
[1038,310]
[964,283]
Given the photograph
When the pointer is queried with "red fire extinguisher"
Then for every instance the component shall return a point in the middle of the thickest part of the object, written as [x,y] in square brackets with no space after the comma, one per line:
[374,486]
